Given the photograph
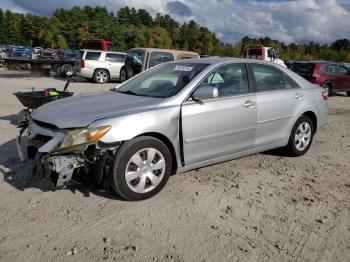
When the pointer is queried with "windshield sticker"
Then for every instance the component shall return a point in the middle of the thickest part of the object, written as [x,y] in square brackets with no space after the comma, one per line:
[183,68]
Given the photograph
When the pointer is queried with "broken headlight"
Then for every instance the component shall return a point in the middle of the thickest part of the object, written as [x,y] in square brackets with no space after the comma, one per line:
[83,136]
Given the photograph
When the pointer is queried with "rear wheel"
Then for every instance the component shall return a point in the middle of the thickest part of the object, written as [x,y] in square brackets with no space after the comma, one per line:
[68,70]
[101,76]
[301,137]
[141,168]
[348,93]
[328,88]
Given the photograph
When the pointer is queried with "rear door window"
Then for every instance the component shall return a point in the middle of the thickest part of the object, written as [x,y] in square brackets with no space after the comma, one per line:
[267,78]
[331,69]
[92,56]
[289,83]
[115,57]
[157,58]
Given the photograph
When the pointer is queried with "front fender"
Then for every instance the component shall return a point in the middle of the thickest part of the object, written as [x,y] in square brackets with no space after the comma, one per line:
[164,121]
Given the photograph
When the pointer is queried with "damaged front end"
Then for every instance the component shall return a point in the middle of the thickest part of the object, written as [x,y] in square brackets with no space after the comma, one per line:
[62,155]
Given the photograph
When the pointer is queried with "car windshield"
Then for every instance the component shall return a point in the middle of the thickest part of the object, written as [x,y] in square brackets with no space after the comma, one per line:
[163,81]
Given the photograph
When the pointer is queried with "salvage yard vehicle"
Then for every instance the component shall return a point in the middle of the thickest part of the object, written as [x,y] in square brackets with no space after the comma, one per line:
[172,118]
[333,77]
[140,59]
[101,66]
[43,63]
[97,44]
[264,53]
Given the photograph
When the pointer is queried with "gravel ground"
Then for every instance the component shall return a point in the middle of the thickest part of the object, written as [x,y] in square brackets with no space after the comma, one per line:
[259,208]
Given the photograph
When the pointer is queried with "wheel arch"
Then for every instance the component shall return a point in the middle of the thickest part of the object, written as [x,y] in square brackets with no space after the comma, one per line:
[100,68]
[313,118]
[328,82]
[168,144]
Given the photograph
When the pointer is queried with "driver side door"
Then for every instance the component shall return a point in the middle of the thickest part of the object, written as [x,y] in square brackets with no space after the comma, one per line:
[224,125]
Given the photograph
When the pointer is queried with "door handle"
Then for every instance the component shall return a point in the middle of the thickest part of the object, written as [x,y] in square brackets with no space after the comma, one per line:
[248,103]
[297,95]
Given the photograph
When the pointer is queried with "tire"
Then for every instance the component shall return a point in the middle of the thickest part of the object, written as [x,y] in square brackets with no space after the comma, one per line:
[297,147]
[123,75]
[146,176]
[328,88]
[348,93]
[67,70]
[101,76]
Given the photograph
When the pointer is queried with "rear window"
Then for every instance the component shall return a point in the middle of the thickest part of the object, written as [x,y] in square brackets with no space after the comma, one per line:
[92,55]
[303,68]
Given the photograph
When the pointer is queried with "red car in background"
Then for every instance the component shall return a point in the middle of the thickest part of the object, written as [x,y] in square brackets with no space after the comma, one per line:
[333,77]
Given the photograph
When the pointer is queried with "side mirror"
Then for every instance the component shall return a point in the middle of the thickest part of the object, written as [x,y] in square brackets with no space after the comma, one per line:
[205,92]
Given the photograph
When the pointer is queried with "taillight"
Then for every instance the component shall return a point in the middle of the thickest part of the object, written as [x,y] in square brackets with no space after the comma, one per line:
[316,72]
[325,95]
[82,63]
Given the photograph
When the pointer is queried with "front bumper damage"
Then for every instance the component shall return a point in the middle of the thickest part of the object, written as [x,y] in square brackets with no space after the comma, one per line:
[60,167]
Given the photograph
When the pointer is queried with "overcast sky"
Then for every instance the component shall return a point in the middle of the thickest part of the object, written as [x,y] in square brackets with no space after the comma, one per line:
[286,20]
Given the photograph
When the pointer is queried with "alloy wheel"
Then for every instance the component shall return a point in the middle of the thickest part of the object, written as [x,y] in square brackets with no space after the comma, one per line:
[101,76]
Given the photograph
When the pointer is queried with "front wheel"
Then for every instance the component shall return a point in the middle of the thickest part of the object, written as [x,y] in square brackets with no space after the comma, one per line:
[301,137]
[141,168]
[123,75]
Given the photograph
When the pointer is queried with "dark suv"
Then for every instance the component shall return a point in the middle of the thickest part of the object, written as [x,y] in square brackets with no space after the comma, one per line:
[333,77]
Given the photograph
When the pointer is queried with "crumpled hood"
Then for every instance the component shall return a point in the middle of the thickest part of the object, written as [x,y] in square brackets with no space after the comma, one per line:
[81,110]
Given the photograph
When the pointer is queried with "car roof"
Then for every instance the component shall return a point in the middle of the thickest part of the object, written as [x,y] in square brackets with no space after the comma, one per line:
[218,60]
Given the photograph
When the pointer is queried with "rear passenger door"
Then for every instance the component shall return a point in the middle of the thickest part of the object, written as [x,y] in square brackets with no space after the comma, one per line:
[114,64]
[279,101]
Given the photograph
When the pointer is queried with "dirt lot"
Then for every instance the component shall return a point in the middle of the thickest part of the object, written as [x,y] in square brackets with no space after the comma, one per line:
[259,208]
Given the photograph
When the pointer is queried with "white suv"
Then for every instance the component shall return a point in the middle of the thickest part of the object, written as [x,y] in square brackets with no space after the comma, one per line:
[101,66]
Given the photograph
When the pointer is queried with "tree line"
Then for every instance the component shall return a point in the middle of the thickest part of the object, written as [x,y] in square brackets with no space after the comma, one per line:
[130,27]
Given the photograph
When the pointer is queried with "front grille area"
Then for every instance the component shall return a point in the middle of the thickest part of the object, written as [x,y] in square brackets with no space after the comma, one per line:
[43,139]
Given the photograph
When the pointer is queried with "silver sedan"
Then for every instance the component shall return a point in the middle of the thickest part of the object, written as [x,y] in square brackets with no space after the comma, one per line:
[173,118]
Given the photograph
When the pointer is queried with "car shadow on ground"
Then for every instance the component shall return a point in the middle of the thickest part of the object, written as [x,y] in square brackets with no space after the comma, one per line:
[13,119]
[14,74]
[78,79]
[24,175]
[74,79]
